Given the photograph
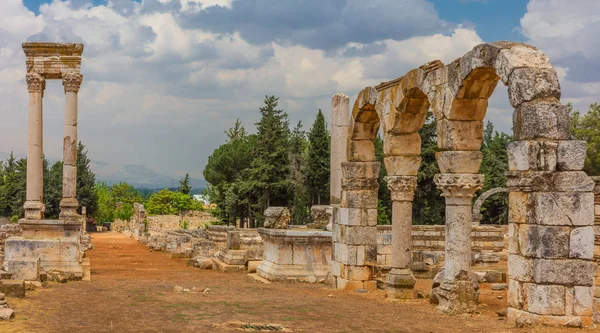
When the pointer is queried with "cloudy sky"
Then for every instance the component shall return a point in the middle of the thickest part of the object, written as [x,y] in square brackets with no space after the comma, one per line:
[164,78]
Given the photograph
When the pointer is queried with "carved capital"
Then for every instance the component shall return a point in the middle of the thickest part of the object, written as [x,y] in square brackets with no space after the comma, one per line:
[458,185]
[402,188]
[72,81]
[35,82]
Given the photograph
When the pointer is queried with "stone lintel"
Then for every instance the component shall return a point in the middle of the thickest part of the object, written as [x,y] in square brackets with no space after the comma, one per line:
[52,59]
[283,236]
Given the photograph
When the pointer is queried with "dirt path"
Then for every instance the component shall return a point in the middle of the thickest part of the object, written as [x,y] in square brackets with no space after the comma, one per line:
[132,291]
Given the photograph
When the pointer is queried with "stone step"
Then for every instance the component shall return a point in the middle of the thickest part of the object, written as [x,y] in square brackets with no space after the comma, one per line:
[223,267]
[257,278]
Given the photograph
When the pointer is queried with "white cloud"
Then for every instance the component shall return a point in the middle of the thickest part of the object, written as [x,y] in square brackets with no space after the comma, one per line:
[157,94]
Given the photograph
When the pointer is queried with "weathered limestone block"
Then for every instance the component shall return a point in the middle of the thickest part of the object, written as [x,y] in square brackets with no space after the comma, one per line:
[359,235]
[360,170]
[519,56]
[571,155]
[402,165]
[544,241]
[460,135]
[361,151]
[541,119]
[564,272]
[532,155]
[402,144]
[548,181]
[557,208]
[366,198]
[277,217]
[583,301]
[520,268]
[24,269]
[321,216]
[517,207]
[527,84]
[545,299]
[580,241]
[13,288]
[459,161]
[357,216]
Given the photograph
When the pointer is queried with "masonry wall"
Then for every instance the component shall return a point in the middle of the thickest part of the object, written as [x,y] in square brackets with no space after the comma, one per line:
[428,242]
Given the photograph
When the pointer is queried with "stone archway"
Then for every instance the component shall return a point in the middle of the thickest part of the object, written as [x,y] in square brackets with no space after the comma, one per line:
[481,199]
[550,199]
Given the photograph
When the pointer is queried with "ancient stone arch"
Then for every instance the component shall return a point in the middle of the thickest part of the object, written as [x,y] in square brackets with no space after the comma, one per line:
[550,199]
[481,199]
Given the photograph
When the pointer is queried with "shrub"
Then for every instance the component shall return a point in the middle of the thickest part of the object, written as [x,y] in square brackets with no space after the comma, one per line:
[14,219]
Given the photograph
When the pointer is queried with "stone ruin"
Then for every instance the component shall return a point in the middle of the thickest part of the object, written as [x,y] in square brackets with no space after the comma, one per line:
[550,234]
[50,245]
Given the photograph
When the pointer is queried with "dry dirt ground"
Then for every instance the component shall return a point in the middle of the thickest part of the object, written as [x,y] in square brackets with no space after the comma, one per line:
[132,291]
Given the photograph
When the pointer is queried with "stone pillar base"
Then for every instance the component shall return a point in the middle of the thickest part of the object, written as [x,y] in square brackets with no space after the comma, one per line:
[68,210]
[34,210]
[522,318]
[400,284]
[353,285]
[457,297]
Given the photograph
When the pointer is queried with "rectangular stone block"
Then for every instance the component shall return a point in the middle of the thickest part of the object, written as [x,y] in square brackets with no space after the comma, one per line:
[557,208]
[583,301]
[360,198]
[541,120]
[13,288]
[571,155]
[459,135]
[582,243]
[361,151]
[544,299]
[517,207]
[572,181]
[563,272]
[544,241]
[24,269]
[459,161]
[520,268]
[360,273]
[513,238]
[371,214]
[402,165]
[515,295]
[402,145]
[361,235]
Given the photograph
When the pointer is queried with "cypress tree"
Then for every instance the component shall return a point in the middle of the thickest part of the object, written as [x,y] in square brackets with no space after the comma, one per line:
[86,179]
[317,173]
[184,185]
[298,145]
[271,164]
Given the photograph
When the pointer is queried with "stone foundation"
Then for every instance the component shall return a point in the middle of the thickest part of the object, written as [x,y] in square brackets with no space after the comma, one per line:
[295,255]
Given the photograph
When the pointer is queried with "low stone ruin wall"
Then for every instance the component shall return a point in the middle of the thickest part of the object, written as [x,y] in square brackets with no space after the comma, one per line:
[6,231]
[194,220]
[428,243]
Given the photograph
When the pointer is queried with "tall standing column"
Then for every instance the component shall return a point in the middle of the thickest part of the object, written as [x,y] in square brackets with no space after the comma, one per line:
[340,106]
[69,204]
[34,203]
[400,280]
[457,292]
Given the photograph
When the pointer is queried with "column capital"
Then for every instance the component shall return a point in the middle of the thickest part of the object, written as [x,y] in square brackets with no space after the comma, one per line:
[35,82]
[457,185]
[72,81]
[402,188]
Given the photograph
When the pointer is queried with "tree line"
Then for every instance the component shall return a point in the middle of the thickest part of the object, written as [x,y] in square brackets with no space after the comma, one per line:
[274,167]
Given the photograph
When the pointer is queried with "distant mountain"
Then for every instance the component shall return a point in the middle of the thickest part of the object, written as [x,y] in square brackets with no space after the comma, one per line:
[138,175]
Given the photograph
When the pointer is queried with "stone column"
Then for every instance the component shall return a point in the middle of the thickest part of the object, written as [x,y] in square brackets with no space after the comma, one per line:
[400,280]
[354,231]
[34,203]
[69,204]
[457,293]
[340,106]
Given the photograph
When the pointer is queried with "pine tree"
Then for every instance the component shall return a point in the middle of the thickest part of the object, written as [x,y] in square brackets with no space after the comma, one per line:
[236,132]
[317,173]
[271,165]
[86,179]
[298,149]
[184,185]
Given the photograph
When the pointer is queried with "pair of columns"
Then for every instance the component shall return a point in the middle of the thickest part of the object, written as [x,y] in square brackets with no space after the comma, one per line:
[34,204]
[458,191]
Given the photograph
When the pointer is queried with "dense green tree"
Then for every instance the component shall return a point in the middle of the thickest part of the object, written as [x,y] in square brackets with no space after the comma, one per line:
[384,211]
[428,205]
[115,201]
[494,166]
[317,170]
[167,202]
[587,127]
[106,204]
[270,167]
[184,185]
[86,180]
[236,132]
[53,188]
[298,158]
